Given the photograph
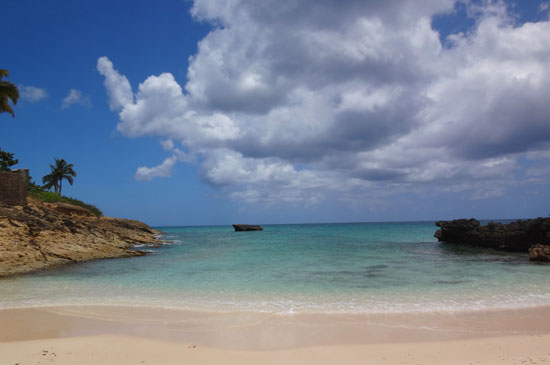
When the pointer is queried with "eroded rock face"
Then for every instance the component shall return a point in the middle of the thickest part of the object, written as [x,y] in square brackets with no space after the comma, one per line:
[246,227]
[72,209]
[515,236]
[42,235]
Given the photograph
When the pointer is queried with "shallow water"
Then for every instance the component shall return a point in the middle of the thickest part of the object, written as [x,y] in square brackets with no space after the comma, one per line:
[341,268]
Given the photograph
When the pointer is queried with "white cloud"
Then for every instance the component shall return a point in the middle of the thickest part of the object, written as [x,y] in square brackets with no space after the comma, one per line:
[315,99]
[167,144]
[183,156]
[144,173]
[118,87]
[75,97]
[33,93]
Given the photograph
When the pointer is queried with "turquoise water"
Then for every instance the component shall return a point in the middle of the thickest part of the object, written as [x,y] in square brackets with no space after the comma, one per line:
[344,268]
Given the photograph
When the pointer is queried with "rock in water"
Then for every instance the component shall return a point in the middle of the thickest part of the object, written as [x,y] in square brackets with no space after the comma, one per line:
[515,236]
[539,253]
[246,227]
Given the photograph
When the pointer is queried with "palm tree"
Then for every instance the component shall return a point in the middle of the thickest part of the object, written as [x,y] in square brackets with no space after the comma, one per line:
[50,181]
[8,91]
[61,171]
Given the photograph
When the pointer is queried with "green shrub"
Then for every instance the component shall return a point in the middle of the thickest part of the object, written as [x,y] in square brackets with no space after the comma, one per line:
[50,197]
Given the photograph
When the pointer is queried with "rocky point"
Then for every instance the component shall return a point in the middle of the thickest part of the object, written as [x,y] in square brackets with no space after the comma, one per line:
[529,235]
[41,235]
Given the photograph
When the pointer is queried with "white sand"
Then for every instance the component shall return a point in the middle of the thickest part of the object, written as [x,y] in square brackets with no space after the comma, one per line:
[120,350]
[118,335]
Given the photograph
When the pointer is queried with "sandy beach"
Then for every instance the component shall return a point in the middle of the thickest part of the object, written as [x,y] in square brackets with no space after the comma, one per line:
[138,335]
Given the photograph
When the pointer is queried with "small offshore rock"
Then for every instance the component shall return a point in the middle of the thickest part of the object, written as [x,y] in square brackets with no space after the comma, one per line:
[246,227]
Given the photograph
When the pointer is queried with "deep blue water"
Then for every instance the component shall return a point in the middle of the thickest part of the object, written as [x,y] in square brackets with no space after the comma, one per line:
[357,267]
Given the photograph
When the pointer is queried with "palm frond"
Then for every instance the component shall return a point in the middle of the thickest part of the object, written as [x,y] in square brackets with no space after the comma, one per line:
[5,106]
[48,179]
[10,90]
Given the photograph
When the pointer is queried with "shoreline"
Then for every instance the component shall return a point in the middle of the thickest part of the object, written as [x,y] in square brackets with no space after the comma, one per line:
[466,310]
[242,330]
[133,335]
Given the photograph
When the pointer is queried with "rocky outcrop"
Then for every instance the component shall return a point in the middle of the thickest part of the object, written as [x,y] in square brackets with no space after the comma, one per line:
[539,253]
[515,236]
[42,235]
[72,209]
[246,227]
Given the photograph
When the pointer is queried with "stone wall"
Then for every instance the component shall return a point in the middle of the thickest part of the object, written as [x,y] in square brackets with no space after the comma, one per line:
[13,187]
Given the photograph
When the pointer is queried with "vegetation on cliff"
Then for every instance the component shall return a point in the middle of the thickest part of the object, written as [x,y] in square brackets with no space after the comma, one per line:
[37,192]
[60,171]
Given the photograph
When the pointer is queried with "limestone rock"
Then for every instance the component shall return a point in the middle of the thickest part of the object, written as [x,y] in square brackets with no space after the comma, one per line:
[72,209]
[42,235]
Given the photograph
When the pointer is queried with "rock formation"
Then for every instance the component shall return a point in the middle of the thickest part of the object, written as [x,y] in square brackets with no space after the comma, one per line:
[515,236]
[246,227]
[42,235]
[539,253]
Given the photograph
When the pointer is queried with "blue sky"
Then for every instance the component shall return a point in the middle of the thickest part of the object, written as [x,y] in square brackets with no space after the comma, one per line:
[285,111]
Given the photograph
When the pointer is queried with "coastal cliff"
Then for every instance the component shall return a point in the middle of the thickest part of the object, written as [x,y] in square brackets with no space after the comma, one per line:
[41,235]
[530,235]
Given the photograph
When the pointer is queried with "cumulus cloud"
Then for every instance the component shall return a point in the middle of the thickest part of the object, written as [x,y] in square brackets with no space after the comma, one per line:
[144,173]
[311,99]
[118,87]
[33,93]
[76,97]
[167,144]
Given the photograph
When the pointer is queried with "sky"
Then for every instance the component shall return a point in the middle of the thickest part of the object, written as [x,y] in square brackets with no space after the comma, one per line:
[213,112]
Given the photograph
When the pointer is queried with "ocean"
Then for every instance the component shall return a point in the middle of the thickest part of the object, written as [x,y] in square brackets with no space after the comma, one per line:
[298,268]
